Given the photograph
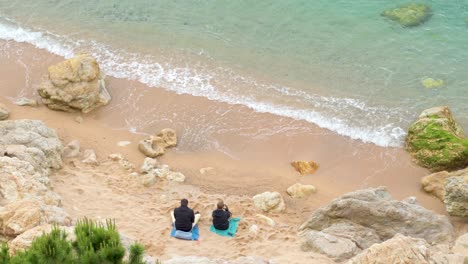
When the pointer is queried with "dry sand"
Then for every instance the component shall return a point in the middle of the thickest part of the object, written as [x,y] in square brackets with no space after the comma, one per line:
[250,153]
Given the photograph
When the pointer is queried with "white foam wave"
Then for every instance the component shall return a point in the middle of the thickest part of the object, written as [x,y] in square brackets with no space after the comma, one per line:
[326,112]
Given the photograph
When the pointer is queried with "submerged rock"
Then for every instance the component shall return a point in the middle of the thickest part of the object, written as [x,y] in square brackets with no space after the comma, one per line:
[154,146]
[4,113]
[409,15]
[436,141]
[456,195]
[305,167]
[432,83]
[75,85]
[269,202]
[370,216]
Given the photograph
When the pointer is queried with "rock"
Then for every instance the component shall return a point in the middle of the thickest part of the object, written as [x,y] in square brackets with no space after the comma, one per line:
[123,143]
[398,250]
[253,229]
[149,165]
[436,141]
[79,119]
[267,220]
[154,146]
[305,167]
[34,135]
[409,15]
[71,150]
[26,102]
[74,85]
[25,240]
[123,162]
[90,157]
[456,195]
[461,245]
[206,170]
[435,183]
[4,113]
[334,247]
[269,202]
[175,176]
[432,83]
[148,179]
[373,211]
[300,191]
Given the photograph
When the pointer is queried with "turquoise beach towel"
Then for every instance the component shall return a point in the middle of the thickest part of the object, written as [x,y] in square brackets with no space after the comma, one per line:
[195,233]
[231,231]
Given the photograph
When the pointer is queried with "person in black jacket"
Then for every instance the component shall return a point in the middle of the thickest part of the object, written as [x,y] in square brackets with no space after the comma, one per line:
[183,217]
[221,216]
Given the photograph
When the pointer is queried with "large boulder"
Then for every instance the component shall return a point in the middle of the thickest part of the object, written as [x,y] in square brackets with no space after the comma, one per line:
[374,216]
[456,196]
[403,250]
[269,202]
[4,113]
[409,15]
[156,145]
[436,141]
[74,85]
[435,183]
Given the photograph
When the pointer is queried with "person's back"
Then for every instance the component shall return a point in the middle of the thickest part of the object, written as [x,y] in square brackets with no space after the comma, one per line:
[221,216]
[183,217]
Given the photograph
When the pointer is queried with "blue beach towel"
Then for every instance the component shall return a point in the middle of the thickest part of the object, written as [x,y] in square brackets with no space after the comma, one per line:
[231,231]
[195,233]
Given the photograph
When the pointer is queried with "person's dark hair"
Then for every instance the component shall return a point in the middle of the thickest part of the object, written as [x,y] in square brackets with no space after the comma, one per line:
[184,202]
[220,204]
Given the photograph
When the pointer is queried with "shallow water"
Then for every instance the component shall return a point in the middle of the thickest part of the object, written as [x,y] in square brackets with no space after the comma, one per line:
[338,64]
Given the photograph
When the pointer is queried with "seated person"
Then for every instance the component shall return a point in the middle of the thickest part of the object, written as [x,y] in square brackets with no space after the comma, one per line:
[183,217]
[221,216]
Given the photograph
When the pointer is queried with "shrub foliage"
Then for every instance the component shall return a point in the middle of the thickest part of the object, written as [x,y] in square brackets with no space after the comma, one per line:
[95,243]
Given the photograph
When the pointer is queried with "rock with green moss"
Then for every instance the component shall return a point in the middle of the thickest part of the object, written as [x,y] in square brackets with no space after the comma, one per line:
[409,15]
[437,142]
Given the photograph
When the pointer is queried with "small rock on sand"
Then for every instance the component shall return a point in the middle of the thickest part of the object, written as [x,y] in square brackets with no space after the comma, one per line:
[4,113]
[305,167]
[23,101]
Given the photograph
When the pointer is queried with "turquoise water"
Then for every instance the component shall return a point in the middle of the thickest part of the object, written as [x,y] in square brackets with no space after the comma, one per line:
[338,64]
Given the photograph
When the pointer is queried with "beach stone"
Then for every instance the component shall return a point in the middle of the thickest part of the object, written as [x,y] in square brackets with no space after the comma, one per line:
[409,15]
[269,202]
[90,157]
[23,101]
[300,190]
[4,113]
[432,83]
[456,195]
[149,165]
[435,183]
[206,170]
[253,229]
[154,146]
[375,210]
[175,176]
[266,219]
[436,141]
[148,179]
[398,250]
[71,150]
[75,84]
[123,143]
[334,247]
[461,245]
[305,167]
[79,119]
[123,162]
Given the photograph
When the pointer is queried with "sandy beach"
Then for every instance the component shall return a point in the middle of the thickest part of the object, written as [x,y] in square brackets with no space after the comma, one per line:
[249,152]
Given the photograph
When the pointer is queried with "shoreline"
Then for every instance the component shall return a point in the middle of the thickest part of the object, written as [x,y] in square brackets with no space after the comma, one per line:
[211,134]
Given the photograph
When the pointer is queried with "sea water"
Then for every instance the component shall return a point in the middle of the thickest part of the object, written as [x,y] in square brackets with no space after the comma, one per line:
[338,64]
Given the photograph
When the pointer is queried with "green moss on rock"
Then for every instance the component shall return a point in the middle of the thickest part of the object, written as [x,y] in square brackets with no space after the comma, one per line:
[409,15]
[436,141]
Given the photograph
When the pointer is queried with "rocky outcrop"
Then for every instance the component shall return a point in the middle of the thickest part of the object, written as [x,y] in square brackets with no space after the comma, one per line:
[305,167]
[456,196]
[152,170]
[154,146]
[435,183]
[4,113]
[402,250]
[409,15]
[300,190]
[436,141]
[371,216]
[269,202]
[28,150]
[74,85]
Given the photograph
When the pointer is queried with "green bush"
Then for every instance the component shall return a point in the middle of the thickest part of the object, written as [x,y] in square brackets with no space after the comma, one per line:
[95,244]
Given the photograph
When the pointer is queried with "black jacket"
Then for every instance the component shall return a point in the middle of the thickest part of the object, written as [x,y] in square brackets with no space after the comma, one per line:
[184,217]
[221,219]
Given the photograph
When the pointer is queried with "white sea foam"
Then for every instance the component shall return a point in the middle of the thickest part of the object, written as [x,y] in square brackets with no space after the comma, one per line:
[326,112]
